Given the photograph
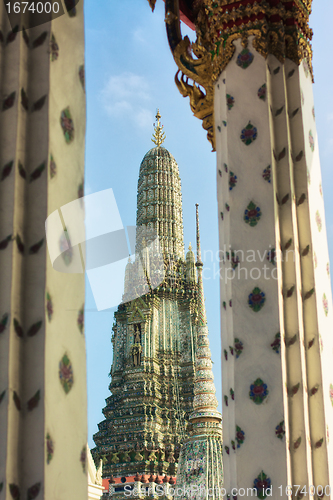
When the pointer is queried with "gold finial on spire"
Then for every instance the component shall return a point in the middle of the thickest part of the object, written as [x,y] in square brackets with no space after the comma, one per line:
[158,135]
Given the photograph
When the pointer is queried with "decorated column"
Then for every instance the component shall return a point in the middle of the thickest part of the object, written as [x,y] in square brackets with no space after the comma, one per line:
[43,412]
[249,78]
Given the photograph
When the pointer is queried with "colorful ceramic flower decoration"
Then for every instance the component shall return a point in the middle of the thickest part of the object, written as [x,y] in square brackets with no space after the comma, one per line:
[331,393]
[302,98]
[240,436]
[267,174]
[258,391]
[67,125]
[271,256]
[325,304]
[279,430]
[82,76]
[66,373]
[49,448]
[313,113]
[66,248]
[256,299]
[315,260]
[80,320]
[71,7]
[3,322]
[261,484]
[328,268]
[318,221]
[234,260]
[54,48]
[232,180]
[276,344]
[311,141]
[238,347]
[244,59]
[262,92]
[249,134]
[53,167]
[80,190]
[230,101]
[83,458]
[252,214]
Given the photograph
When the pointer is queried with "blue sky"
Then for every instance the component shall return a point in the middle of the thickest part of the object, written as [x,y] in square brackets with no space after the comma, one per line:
[129,73]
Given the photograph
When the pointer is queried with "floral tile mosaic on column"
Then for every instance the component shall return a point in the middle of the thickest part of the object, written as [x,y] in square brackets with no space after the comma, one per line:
[2,395]
[3,322]
[80,319]
[53,167]
[252,214]
[256,299]
[267,174]
[325,304]
[49,306]
[83,458]
[262,92]
[311,141]
[319,221]
[34,401]
[8,102]
[66,375]
[67,125]
[238,347]
[234,260]
[230,101]
[82,76]
[33,491]
[249,134]
[14,491]
[49,448]
[6,170]
[271,256]
[276,344]
[71,7]
[258,391]
[54,48]
[261,484]
[280,430]
[66,247]
[232,180]
[240,436]
[244,59]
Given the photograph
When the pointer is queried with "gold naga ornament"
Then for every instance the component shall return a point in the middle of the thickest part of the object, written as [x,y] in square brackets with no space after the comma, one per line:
[278,27]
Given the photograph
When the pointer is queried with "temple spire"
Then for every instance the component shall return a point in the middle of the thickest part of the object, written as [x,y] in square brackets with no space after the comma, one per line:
[158,135]
[201,299]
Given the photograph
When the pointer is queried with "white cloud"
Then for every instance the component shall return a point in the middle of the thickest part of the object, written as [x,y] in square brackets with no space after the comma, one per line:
[127,95]
[138,36]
